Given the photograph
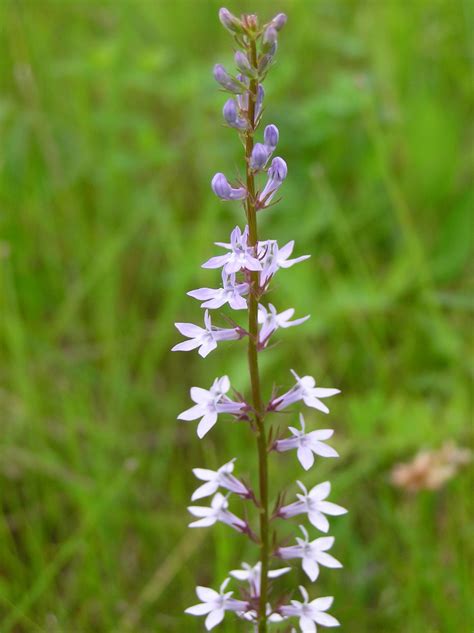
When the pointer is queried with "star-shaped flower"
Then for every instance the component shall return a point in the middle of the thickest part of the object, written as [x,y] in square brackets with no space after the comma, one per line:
[209,403]
[205,338]
[312,553]
[314,505]
[271,321]
[240,256]
[274,258]
[220,478]
[310,613]
[306,390]
[307,444]
[231,293]
[253,575]
[214,604]
[217,512]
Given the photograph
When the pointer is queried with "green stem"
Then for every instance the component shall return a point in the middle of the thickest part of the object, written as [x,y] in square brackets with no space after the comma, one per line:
[253,357]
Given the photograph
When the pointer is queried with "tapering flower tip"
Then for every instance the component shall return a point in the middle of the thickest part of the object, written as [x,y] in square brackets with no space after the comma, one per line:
[269,39]
[230,22]
[279,21]
[231,114]
[270,137]
[222,189]
[259,157]
[225,80]
[243,64]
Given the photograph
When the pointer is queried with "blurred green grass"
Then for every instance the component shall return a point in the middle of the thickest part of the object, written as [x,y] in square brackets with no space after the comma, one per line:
[110,132]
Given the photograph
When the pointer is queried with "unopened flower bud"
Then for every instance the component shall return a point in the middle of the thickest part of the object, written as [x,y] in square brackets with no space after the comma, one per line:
[230,22]
[231,114]
[270,36]
[225,80]
[243,64]
[278,169]
[259,157]
[270,137]
[276,175]
[223,190]
[279,21]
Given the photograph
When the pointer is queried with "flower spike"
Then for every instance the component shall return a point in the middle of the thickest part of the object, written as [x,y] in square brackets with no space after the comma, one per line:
[247,267]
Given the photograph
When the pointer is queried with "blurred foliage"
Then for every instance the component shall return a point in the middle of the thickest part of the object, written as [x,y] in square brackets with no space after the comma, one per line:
[110,132]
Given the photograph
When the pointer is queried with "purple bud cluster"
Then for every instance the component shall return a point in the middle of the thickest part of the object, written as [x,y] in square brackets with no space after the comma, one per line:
[248,266]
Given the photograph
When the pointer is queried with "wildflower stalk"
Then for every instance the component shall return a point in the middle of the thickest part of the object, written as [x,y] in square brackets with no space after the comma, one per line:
[248,268]
[253,351]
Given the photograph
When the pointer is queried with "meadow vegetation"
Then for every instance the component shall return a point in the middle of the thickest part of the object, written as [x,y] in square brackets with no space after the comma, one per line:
[109,127]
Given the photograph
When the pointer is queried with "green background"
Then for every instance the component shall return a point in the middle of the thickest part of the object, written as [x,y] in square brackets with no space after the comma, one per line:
[110,128]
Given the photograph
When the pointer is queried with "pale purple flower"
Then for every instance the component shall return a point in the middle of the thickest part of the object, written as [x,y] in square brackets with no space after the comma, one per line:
[221,187]
[314,505]
[215,604]
[307,444]
[231,115]
[259,157]
[270,137]
[205,338]
[310,613]
[218,511]
[231,293]
[209,403]
[276,175]
[240,255]
[273,258]
[270,320]
[312,554]
[225,80]
[306,390]
[220,478]
[252,575]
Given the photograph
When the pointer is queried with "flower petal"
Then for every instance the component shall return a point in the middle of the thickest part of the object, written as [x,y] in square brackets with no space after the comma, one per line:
[206,348]
[311,568]
[324,450]
[328,561]
[209,488]
[186,346]
[331,508]
[216,262]
[206,424]
[214,618]
[199,609]
[307,625]
[206,594]
[200,395]
[306,457]
[193,413]
[318,520]
[314,403]
[322,604]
